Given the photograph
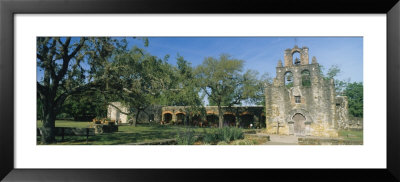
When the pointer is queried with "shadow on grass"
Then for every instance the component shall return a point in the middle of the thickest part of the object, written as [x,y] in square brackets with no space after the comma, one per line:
[126,135]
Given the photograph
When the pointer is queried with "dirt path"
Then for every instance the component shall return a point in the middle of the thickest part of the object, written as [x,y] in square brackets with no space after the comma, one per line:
[282,140]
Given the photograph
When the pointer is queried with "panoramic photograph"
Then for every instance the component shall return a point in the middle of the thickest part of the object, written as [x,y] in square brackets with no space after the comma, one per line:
[199,90]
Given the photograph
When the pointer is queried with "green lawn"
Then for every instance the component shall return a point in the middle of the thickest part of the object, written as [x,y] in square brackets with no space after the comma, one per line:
[143,133]
[126,134]
[351,135]
[65,123]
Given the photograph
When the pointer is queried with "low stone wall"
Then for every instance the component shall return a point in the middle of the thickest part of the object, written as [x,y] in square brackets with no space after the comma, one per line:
[327,141]
[102,128]
[258,136]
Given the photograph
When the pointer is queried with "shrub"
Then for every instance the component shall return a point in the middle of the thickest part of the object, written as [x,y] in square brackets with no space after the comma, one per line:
[210,138]
[237,133]
[228,134]
[186,137]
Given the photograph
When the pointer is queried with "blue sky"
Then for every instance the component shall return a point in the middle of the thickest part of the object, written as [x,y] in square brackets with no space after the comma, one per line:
[263,53]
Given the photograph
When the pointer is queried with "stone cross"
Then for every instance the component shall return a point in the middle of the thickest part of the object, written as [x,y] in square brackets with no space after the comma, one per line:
[277,128]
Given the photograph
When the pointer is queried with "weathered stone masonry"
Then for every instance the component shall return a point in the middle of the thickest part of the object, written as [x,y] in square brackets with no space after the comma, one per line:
[306,106]
[241,116]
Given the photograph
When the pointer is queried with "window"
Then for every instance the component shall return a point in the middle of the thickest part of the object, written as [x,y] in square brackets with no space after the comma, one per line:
[296,58]
[297,99]
[288,79]
[305,78]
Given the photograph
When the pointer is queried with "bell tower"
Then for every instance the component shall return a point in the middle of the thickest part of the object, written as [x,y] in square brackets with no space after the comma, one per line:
[304,60]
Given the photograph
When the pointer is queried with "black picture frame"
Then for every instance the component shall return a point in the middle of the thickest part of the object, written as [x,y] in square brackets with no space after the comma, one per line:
[8,8]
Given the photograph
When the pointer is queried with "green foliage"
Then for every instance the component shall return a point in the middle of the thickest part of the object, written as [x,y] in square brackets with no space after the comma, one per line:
[72,66]
[305,78]
[225,134]
[143,79]
[186,137]
[333,71]
[354,93]
[184,89]
[222,80]
[237,133]
[210,137]
[289,80]
[85,106]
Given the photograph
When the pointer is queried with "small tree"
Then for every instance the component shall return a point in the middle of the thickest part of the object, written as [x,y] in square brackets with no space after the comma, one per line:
[354,93]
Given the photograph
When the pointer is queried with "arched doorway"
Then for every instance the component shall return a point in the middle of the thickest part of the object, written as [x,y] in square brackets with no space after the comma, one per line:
[246,120]
[229,120]
[180,118]
[212,120]
[167,117]
[196,119]
[299,124]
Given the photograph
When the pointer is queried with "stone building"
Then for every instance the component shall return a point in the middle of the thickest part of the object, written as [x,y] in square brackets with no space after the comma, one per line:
[300,101]
[150,114]
[241,116]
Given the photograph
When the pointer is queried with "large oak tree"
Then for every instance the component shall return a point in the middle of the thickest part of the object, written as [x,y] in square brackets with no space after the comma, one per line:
[72,66]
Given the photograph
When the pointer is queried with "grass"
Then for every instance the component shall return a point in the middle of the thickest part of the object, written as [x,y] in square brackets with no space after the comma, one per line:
[351,135]
[145,133]
[126,134]
[66,123]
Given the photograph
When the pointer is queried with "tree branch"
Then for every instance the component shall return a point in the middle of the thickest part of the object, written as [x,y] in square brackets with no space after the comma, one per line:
[82,41]
[118,109]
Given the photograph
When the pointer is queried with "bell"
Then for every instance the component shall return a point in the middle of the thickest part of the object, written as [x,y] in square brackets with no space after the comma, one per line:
[297,61]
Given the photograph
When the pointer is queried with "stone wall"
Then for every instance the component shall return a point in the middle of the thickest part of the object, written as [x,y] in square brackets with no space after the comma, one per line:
[235,115]
[150,114]
[310,96]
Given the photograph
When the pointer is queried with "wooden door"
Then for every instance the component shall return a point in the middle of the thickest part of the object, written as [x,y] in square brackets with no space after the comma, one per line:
[299,126]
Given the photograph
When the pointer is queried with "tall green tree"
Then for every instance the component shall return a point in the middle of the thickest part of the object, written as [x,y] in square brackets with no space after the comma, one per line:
[143,79]
[72,66]
[354,93]
[223,82]
[185,91]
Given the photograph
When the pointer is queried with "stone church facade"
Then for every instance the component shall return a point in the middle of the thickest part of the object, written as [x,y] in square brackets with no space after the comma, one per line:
[300,101]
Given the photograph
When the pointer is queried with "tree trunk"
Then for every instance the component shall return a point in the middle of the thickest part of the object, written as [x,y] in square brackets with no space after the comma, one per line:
[136,118]
[220,116]
[48,130]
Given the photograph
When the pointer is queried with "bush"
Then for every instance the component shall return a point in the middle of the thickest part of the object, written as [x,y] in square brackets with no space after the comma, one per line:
[186,137]
[237,133]
[225,134]
[210,138]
